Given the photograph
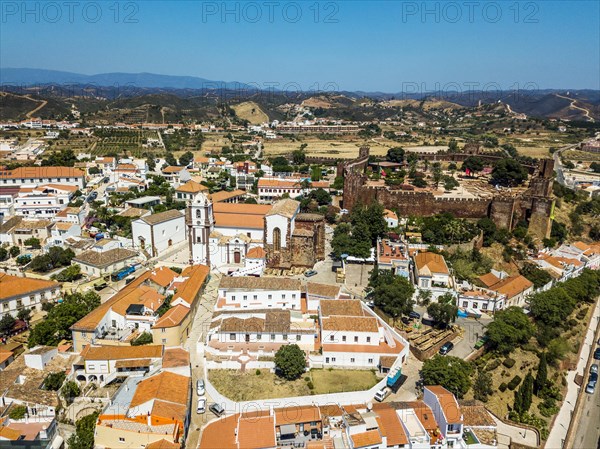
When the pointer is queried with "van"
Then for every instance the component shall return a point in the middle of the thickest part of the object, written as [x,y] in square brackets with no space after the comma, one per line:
[200,387]
[381,394]
[446,348]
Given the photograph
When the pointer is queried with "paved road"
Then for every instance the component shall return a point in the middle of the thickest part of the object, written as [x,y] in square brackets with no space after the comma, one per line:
[558,432]
[196,348]
[588,432]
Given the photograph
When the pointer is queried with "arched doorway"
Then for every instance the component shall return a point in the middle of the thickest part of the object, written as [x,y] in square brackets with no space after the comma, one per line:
[276,239]
[142,243]
[237,257]
[170,242]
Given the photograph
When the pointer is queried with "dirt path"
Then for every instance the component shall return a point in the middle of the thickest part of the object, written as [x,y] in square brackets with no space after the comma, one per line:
[574,106]
[33,111]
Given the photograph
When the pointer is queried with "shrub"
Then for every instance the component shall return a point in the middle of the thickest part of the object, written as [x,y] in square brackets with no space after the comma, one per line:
[572,322]
[307,379]
[514,382]
[310,385]
[258,372]
[145,338]
[17,412]
[508,362]
[502,387]
[493,365]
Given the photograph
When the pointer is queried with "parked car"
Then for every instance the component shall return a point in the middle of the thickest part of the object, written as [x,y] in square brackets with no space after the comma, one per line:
[593,378]
[594,368]
[482,341]
[446,348]
[414,315]
[597,354]
[310,273]
[200,387]
[216,409]
[381,394]
[100,286]
[590,388]
[201,407]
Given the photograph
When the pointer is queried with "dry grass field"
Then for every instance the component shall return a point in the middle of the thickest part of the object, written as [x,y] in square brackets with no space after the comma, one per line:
[249,386]
[248,110]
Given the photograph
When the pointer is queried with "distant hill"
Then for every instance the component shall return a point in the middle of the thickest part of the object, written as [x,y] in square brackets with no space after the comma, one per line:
[131,96]
[28,77]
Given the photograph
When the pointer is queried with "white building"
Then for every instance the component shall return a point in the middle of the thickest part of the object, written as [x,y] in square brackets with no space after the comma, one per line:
[34,175]
[17,293]
[258,293]
[97,264]
[155,233]
[44,201]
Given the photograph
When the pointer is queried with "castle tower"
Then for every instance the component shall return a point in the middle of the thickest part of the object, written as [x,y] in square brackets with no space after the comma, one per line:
[200,222]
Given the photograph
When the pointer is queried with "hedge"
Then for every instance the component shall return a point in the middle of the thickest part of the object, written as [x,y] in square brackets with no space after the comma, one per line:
[514,382]
[493,365]
[508,362]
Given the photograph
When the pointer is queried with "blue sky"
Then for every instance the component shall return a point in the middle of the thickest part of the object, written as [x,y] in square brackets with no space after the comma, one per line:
[352,45]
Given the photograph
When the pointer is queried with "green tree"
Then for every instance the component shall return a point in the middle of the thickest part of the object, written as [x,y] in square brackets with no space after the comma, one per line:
[69,274]
[395,154]
[541,379]
[290,361]
[552,307]
[94,171]
[83,438]
[482,386]
[473,164]
[24,314]
[32,242]
[54,381]
[14,251]
[186,158]
[392,294]
[452,373]
[7,322]
[444,311]
[3,254]
[144,339]
[70,391]
[536,275]
[510,328]
[62,158]
[523,396]
[508,173]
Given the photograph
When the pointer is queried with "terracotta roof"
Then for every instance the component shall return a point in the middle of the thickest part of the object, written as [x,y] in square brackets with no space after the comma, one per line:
[11,286]
[350,323]
[133,212]
[369,438]
[172,169]
[428,263]
[162,276]
[391,426]
[104,258]
[448,403]
[126,295]
[172,317]
[285,207]
[345,307]
[512,286]
[297,415]
[165,409]
[390,214]
[132,363]
[220,434]
[223,195]
[256,433]
[191,187]
[256,253]
[7,225]
[162,217]
[163,444]
[258,283]
[41,172]
[175,357]
[122,352]
[238,221]
[489,279]
[166,386]
[5,355]
[241,208]
[64,226]
[190,289]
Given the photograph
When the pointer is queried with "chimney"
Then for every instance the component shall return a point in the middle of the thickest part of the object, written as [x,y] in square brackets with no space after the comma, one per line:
[149,420]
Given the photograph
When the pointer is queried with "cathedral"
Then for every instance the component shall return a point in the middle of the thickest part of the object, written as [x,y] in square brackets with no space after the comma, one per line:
[255,236]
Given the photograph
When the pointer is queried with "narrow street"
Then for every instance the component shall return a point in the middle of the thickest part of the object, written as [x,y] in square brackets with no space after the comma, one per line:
[196,349]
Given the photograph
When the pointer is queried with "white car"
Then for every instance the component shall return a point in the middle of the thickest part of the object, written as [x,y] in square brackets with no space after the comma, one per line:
[381,394]
[200,387]
[201,407]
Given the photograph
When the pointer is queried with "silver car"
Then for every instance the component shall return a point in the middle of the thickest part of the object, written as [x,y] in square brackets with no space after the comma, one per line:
[594,368]
[590,388]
